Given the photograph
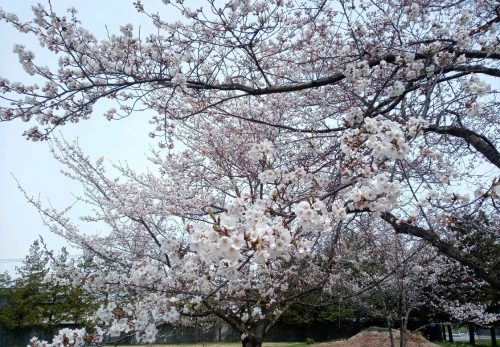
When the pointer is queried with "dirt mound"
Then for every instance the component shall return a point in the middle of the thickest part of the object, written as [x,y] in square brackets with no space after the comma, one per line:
[379,339]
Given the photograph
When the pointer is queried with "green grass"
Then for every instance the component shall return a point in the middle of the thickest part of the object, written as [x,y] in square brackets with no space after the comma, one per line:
[463,344]
[289,344]
[221,344]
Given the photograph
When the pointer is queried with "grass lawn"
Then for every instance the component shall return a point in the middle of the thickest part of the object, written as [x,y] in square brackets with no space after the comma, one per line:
[221,344]
[464,344]
[290,344]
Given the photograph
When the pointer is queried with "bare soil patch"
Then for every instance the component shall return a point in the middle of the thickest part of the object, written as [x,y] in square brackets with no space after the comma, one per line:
[379,339]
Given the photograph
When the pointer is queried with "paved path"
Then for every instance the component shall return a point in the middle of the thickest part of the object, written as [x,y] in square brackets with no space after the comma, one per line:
[465,337]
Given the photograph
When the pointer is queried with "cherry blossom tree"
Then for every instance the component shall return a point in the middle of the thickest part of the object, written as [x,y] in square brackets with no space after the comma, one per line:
[459,294]
[246,256]
[391,277]
[279,123]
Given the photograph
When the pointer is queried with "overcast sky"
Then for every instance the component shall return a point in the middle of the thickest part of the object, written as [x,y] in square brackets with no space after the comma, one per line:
[31,163]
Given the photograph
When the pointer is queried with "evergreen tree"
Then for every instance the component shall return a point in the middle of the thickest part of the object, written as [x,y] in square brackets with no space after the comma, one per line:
[37,298]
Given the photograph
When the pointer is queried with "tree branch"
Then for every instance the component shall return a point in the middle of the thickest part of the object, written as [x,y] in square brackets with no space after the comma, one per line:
[479,142]
[445,247]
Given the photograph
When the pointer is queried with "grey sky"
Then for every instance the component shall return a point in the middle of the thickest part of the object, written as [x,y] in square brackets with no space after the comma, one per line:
[31,163]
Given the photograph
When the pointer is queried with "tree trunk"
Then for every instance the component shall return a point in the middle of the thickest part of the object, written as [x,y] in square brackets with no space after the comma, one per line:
[401,335]
[255,336]
[404,327]
[493,337]
[472,337]
[401,320]
[251,342]
[450,333]
[389,326]
[444,332]
[389,319]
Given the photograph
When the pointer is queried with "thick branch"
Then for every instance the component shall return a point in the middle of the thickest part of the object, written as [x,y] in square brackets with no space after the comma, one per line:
[479,142]
[446,248]
[227,316]
[477,69]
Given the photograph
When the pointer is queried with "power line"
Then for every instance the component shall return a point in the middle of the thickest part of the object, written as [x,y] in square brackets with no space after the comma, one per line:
[20,260]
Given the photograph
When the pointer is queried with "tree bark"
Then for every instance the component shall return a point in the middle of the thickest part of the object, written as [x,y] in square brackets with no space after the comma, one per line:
[389,326]
[404,328]
[251,342]
[450,333]
[479,142]
[493,337]
[444,332]
[402,333]
[437,332]
[472,336]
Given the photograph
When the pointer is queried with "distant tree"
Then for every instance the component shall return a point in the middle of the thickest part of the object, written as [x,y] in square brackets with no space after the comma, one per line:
[38,298]
[24,298]
[5,293]
[389,276]
[460,295]
[476,234]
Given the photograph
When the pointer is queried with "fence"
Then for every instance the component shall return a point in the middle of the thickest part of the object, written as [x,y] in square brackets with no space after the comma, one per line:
[174,334]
